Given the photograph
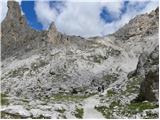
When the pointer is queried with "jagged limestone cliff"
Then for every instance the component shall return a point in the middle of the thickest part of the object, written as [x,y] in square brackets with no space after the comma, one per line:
[47,74]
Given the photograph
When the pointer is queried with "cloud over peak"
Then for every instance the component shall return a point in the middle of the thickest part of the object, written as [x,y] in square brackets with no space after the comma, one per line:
[84,19]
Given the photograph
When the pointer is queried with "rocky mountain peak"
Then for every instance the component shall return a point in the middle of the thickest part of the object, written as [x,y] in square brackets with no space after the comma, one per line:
[16,33]
[14,10]
[53,35]
[53,27]
[14,17]
[142,25]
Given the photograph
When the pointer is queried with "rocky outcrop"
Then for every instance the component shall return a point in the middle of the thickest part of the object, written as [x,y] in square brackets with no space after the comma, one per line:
[141,25]
[148,67]
[17,36]
[53,35]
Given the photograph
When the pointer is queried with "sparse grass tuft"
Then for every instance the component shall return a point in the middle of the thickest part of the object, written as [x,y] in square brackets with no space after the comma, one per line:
[110,93]
[68,97]
[142,106]
[4,99]
[79,113]
[105,111]
[127,110]
[61,110]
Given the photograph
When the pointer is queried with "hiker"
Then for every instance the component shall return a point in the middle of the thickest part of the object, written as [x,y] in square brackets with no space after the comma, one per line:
[99,89]
[102,88]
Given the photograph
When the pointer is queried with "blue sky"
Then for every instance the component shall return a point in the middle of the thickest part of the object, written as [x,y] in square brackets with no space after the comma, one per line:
[28,9]
[85,19]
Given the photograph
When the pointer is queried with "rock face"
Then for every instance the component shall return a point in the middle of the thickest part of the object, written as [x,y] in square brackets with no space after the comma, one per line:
[16,34]
[149,89]
[53,35]
[40,65]
[141,25]
[14,11]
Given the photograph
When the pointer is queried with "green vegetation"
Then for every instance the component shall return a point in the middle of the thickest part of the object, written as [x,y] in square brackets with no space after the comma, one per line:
[141,106]
[79,113]
[105,111]
[134,108]
[68,97]
[108,111]
[127,110]
[115,103]
[61,110]
[4,99]
[133,86]
[111,93]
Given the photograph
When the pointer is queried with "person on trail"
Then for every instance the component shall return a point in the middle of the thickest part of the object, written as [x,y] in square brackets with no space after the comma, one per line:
[99,90]
[102,88]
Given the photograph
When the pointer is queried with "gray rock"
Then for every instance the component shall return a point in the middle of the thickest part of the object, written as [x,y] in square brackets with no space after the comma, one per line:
[149,89]
[17,110]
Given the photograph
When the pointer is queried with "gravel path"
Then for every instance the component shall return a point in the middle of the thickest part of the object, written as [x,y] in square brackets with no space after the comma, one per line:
[89,110]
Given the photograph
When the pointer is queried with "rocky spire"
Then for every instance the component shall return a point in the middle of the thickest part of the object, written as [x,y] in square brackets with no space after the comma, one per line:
[16,33]
[53,27]
[14,11]
[53,35]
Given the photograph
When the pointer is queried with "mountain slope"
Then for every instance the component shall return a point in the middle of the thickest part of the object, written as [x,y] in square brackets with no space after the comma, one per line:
[50,75]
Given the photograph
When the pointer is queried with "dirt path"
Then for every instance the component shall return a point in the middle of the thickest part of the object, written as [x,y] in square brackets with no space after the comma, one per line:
[89,110]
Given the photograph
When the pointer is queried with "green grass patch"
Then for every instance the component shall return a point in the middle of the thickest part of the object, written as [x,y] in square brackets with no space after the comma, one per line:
[134,108]
[69,97]
[115,103]
[79,113]
[4,99]
[106,112]
[61,110]
[142,106]
[132,86]
[127,110]
[110,93]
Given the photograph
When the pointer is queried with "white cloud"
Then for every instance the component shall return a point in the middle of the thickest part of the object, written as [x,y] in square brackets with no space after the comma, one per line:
[3,10]
[130,13]
[150,6]
[45,13]
[79,17]
[83,18]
